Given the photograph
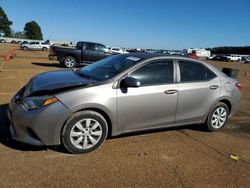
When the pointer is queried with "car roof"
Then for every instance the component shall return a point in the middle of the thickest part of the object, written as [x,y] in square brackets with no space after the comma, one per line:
[155,56]
[146,56]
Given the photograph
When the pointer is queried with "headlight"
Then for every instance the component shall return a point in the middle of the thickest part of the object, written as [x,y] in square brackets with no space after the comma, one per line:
[31,103]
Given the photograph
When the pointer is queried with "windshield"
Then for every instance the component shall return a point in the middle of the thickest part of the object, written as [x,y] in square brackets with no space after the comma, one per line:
[109,67]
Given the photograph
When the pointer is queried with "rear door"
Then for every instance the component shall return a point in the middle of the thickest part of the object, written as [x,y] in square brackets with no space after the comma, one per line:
[153,104]
[199,87]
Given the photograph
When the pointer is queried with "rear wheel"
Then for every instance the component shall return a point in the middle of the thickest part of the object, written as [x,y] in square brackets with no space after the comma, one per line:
[84,132]
[69,62]
[217,117]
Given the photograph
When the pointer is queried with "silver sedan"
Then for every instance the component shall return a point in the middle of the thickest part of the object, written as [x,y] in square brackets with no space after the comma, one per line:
[120,94]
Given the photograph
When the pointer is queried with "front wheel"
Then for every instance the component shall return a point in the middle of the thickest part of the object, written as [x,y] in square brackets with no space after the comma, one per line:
[217,117]
[44,49]
[69,62]
[84,132]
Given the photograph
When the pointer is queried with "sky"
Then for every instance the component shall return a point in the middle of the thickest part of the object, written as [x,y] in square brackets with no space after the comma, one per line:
[155,24]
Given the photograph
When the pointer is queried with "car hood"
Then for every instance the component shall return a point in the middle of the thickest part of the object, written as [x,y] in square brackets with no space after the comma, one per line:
[55,81]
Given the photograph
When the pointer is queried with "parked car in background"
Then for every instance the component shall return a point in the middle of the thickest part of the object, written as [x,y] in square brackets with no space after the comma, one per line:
[35,46]
[2,40]
[117,50]
[210,57]
[233,57]
[24,43]
[219,58]
[16,40]
[247,60]
[121,94]
[243,58]
[83,53]
[178,54]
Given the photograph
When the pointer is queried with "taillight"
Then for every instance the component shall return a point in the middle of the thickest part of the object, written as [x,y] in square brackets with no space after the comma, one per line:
[238,85]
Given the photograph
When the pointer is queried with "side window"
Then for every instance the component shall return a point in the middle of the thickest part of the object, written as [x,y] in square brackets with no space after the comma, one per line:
[81,45]
[90,46]
[100,47]
[32,43]
[192,71]
[155,73]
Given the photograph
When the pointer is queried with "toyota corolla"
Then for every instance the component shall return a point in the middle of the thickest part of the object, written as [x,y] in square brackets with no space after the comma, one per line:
[121,94]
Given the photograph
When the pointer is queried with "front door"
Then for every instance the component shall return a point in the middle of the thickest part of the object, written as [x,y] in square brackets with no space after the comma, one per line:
[153,104]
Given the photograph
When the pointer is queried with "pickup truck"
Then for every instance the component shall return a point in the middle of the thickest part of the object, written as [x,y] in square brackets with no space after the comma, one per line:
[233,57]
[84,53]
[35,46]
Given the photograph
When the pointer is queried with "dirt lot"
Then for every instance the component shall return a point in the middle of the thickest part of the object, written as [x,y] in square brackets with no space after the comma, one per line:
[180,157]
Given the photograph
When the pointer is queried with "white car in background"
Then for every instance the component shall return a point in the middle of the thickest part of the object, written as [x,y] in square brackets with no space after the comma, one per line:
[233,57]
[36,46]
[117,50]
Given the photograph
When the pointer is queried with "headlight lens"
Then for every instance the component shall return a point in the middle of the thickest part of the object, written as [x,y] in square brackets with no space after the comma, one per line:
[31,103]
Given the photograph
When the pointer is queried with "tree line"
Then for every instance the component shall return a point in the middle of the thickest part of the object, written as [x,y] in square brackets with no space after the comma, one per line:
[31,29]
[244,50]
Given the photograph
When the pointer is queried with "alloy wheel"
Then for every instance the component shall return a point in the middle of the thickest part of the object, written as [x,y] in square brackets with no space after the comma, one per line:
[86,133]
[219,118]
[69,62]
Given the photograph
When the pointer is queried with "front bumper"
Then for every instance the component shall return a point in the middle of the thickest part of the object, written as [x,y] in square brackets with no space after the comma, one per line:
[37,127]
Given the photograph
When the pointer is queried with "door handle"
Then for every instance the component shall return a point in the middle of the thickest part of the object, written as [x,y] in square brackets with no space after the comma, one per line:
[213,87]
[170,92]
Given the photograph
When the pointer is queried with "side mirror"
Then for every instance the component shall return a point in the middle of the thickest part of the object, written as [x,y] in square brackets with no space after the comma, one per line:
[130,82]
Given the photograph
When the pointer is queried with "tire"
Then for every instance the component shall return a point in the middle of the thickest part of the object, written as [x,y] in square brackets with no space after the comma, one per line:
[44,49]
[69,62]
[217,117]
[77,134]
[25,48]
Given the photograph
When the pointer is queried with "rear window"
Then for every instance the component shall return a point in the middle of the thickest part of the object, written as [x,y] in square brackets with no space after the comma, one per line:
[194,71]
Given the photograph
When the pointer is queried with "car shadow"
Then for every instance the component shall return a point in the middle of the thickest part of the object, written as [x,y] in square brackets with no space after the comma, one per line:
[193,127]
[47,64]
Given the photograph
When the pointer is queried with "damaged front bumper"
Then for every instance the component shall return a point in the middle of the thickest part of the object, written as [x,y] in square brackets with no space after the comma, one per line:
[37,127]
